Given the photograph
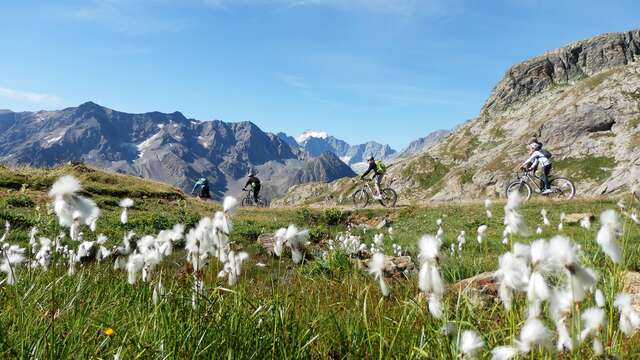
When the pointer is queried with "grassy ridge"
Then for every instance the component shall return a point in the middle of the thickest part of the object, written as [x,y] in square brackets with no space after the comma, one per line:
[325,308]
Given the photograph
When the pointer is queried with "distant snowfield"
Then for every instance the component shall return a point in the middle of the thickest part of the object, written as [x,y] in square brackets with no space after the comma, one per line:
[145,144]
[311,134]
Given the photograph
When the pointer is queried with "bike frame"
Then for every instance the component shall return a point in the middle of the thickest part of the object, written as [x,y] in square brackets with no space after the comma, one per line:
[530,178]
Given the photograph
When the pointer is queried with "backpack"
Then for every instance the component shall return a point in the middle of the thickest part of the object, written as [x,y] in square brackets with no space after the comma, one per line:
[546,153]
[380,167]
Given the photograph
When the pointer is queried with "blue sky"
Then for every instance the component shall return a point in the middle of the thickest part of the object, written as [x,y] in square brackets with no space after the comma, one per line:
[384,70]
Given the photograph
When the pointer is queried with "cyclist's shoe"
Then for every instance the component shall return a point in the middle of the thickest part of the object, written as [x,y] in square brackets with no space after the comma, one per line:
[546,191]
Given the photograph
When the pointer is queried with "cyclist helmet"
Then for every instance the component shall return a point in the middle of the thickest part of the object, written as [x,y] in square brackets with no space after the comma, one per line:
[534,146]
[370,158]
[251,173]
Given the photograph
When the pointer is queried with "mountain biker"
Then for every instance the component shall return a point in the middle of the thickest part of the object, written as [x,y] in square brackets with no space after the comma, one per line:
[378,169]
[538,156]
[254,182]
[203,184]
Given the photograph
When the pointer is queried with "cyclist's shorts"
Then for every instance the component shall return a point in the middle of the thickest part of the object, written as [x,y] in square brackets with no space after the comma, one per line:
[378,178]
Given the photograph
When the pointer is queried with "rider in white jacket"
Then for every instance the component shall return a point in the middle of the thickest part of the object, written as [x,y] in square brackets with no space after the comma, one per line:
[537,157]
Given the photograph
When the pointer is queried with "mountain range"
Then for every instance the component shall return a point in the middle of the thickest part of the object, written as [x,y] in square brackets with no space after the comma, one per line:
[318,142]
[166,147]
[581,100]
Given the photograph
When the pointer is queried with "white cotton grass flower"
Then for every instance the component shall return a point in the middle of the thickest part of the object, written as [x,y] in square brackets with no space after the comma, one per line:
[629,317]
[32,237]
[634,217]
[482,229]
[533,334]
[84,250]
[599,298]
[72,260]
[513,275]
[538,290]
[563,255]
[122,251]
[521,251]
[505,235]
[230,205]
[469,344]
[376,269]
[378,241]
[67,203]
[296,240]
[43,255]
[562,218]
[538,230]
[585,222]
[279,238]
[102,253]
[593,320]
[158,293]
[545,219]
[560,304]
[488,206]
[11,256]
[608,234]
[233,267]
[512,217]
[461,240]
[429,278]
[504,353]
[7,228]
[135,263]
[565,341]
[125,204]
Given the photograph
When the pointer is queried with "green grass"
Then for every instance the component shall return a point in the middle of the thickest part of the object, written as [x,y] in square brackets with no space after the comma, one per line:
[325,308]
[427,171]
[596,168]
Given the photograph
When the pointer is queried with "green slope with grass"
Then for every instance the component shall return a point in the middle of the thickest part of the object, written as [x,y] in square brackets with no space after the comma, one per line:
[324,308]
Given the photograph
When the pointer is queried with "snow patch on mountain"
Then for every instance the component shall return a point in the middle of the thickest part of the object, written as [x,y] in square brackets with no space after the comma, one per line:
[311,134]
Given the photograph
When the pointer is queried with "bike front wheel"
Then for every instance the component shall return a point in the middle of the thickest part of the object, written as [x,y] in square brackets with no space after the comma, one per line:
[389,197]
[523,188]
[562,188]
[360,198]
[247,202]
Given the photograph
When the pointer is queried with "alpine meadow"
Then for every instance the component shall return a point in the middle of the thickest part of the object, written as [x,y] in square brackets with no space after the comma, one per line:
[513,234]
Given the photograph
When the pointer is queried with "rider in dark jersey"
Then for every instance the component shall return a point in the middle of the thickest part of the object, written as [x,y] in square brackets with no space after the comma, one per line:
[254,182]
[378,173]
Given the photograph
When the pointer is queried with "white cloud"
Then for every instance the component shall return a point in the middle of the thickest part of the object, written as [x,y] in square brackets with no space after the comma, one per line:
[28,96]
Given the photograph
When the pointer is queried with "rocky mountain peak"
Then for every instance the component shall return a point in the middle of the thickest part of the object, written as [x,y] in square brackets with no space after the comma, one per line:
[563,66]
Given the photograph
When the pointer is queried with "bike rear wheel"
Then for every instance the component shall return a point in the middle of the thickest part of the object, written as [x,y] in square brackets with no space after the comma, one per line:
[261,203]
[562,188]
[360,198]
[389,197]
[523,188]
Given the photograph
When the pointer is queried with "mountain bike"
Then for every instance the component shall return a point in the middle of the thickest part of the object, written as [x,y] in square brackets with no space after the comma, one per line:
[527,182]
[365,192]
[248,200]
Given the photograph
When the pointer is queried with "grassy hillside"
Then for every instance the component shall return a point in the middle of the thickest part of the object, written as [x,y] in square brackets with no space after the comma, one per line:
[325,308]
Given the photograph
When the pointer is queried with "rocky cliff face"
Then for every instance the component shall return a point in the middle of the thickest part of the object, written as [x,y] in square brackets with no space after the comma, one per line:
[166,147]
[582,101]
[563,66]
